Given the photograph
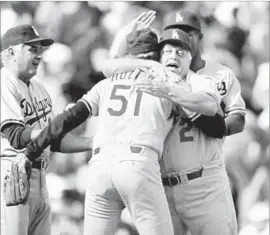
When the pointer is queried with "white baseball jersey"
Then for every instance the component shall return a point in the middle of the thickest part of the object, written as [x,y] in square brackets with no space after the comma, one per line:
[26,105]
[186,146]
[127,116]
[228,86]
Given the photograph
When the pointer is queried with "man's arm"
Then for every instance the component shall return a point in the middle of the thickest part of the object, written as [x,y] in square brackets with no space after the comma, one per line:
[71,144]
[181,93]
[61,124]
[213,126]
[198,102]
[233,103]
[235,123]
[19,136]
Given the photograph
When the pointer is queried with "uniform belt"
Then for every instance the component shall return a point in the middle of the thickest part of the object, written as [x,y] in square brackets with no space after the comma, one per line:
[133,149]
[39,164]
[178,179]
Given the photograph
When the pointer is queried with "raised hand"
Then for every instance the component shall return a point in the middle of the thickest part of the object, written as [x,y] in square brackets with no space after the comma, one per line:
[144,20]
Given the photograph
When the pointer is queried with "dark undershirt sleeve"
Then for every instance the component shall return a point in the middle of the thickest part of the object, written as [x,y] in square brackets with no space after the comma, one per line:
[213,126]
[235,123]
[18,135]
[61,124]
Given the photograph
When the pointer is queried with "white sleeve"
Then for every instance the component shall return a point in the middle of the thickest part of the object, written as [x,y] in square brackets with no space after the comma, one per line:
[232,99]
[11,111]
[205,84]
[92,98]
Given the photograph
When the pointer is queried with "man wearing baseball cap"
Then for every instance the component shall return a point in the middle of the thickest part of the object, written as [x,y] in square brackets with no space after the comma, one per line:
[26,109]
[140,45]
[209,206]
[23,34]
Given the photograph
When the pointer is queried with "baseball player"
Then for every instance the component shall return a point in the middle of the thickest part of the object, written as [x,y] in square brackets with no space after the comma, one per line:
[196,182]
[229,87]
[203,208]
[26,108]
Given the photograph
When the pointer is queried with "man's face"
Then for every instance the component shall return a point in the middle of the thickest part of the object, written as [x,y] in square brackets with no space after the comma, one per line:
[195,39]
[28,58]
[176,59]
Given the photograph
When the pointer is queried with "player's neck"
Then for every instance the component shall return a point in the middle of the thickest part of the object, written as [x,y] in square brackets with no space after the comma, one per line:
[20,75]
[24,78]
[197,63]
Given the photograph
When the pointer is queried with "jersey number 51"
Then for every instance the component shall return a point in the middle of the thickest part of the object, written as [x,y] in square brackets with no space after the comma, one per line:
[124,102]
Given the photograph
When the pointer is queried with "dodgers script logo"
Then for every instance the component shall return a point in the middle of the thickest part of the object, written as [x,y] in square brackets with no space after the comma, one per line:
[39,109]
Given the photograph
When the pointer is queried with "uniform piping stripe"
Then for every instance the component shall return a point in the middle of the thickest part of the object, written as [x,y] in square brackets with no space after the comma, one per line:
[87,105]
[11,121]
[195,116]
[235,109]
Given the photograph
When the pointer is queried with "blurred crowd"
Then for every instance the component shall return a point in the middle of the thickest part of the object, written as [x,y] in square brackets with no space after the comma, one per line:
[235,33]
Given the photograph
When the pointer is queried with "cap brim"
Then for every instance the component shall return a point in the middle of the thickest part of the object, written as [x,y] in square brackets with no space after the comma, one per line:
[44,41]
[173,41]
[183,27]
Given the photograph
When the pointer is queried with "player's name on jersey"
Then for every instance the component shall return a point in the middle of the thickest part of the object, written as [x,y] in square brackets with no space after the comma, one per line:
[137,73]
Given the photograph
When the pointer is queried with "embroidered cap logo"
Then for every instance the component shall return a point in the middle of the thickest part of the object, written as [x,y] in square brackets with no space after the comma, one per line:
[175,34]
[179,17]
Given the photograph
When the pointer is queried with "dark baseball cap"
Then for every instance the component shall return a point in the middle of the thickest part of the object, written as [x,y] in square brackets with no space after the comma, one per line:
[179,19]
[177,36]
[142,41]
[23,34]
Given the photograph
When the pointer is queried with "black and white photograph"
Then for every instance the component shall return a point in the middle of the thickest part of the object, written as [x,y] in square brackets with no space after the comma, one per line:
[134,118]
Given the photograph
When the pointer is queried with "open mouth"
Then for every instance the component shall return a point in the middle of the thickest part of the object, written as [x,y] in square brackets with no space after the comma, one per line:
[172,65]
[36,63]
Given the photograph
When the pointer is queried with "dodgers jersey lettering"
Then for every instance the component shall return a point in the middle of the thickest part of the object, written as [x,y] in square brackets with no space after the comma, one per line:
[26,105]
[127,116]
[186,146]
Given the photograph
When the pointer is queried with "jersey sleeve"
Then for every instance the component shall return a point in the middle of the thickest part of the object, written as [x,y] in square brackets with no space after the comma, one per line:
[205,84]
[11,111]
[233,101]
[92,98]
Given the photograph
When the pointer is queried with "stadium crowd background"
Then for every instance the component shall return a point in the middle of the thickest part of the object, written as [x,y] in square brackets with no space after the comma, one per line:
[235,33]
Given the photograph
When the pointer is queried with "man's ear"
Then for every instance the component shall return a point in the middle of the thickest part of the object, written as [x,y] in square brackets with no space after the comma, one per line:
[11,51]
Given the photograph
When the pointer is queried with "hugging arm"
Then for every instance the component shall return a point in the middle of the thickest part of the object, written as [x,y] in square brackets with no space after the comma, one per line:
[61,124]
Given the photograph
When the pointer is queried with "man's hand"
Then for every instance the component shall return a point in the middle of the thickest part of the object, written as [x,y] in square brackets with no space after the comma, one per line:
[161,86]
[157,88]
[172,77]
[143,21]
